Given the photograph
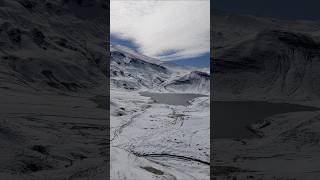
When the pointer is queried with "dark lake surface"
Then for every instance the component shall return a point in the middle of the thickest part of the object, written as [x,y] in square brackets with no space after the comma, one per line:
[171,98]
[231,118]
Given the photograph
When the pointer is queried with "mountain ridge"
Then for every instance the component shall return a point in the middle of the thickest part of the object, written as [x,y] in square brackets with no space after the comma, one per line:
[133,71]
[274,62]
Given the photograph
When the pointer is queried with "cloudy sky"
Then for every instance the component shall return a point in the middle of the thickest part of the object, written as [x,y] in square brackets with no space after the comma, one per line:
[164,29]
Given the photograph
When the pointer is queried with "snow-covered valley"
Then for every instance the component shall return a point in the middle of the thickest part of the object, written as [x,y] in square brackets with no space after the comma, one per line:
[54,70]
[154,140]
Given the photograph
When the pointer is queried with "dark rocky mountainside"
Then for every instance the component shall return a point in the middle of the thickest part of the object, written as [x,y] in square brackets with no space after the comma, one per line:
[49,44]
[53,81]
[266,59]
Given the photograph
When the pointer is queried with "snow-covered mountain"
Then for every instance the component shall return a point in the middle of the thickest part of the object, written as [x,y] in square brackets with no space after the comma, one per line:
[265,58]
[51,45]
[195,82]
[53,81]
[151,139]
[133,71]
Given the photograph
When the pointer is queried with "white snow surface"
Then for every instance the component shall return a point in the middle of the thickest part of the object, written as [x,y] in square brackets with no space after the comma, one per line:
[147,134]
[151,140]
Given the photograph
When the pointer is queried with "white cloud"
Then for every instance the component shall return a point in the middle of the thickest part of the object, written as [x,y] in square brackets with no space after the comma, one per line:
[182,26]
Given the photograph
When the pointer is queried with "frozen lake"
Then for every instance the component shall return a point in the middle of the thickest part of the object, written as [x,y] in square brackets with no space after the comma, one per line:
[171,98]
[230,118]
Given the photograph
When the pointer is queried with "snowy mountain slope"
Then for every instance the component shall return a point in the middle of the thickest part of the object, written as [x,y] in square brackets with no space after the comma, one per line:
[53,89]
[132,53]
[195,82]
[134,72]
[269,62]
[130,70]
[230,28]
[47,45]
